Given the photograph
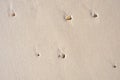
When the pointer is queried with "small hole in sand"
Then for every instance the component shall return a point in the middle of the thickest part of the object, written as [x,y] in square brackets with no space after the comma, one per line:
[94,15]
[68,17]
[61,56]
[38,54]
[114,66]
[13,14]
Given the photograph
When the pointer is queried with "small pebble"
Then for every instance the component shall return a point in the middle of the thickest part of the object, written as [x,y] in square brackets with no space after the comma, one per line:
[68,18]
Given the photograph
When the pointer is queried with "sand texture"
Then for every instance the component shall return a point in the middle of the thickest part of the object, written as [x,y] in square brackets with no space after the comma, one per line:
[59,39]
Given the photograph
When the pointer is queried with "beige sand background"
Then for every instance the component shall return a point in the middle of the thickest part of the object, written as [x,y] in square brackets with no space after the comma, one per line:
[38,43]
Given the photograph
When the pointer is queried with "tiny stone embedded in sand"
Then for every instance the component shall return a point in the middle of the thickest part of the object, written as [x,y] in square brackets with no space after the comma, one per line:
[68,17]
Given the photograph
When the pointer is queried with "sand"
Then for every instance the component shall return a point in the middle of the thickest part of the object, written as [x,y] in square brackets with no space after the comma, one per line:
[59,40]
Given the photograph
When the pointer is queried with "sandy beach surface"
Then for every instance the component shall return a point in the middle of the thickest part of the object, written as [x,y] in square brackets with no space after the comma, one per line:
[59,39]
